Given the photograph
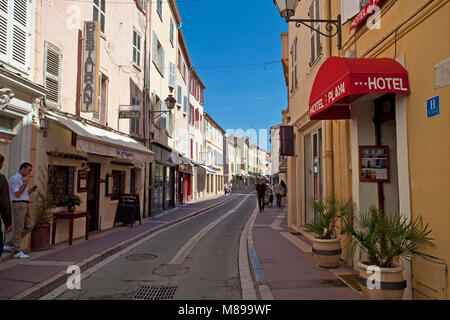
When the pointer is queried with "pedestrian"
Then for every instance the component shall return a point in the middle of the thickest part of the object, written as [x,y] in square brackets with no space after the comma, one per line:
[276,190]
[283,193]
[270,198]
[20,196]
[230,187]
[261,192]
[225,189]
[5,205]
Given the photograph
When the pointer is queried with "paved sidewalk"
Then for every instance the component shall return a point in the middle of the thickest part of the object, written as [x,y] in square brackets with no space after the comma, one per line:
[283,264]
[43,271]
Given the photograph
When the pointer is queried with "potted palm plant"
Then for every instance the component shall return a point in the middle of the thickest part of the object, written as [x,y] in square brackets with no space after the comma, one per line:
[385,240]
[327,244]
[70,202]
[42,206]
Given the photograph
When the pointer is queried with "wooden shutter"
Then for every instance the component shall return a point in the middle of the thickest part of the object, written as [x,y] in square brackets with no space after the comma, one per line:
[349,9]
[4,11]
[172,29]
[172,69]
[179,96]
[318,27]
[163,62]
[21,34]
[311,33]
[185,104]
[52,73]
[155,49]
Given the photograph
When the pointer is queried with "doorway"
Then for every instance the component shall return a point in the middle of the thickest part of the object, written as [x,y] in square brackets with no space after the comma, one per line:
[93,190]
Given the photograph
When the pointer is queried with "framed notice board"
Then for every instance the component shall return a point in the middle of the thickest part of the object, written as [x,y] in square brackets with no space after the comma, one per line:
[128,209]
[374,164]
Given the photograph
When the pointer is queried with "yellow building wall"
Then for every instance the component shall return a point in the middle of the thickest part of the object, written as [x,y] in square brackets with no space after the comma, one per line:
[423,39]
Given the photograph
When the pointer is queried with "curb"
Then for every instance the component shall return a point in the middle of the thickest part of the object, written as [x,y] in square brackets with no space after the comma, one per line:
[259,279]
[44,287]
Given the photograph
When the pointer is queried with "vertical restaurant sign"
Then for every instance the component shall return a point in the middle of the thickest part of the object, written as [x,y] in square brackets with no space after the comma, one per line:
[364,13]
[91,58]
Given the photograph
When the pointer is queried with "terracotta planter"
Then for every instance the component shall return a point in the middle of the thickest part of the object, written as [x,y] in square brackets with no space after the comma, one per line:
[40,237]
[391,284]
[327,252]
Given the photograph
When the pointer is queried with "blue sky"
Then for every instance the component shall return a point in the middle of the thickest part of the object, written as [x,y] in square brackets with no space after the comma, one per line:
[223,34]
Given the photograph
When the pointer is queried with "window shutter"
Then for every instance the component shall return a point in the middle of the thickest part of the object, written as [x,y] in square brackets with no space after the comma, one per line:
[179,95]
[4,28]
[349,9]
[21,34]
[52,73]
[163,63]
[155,48]
[171,30]
[185,104]
[172,74]
[317,35]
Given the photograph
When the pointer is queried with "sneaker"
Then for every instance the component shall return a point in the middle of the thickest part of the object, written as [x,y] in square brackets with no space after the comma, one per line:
[8,248]
[21,255]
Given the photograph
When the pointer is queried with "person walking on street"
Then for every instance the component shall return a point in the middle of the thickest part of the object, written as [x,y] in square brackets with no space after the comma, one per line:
[276,190]
[261,192]
[225,189]
[23,220]
[283,193]
[5,205]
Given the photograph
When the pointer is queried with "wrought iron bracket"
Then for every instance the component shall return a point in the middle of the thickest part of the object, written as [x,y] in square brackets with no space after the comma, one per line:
[157,111]
[334,27]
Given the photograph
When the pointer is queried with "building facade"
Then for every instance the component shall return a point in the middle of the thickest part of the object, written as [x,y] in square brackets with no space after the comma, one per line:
[365,138]
[214,156]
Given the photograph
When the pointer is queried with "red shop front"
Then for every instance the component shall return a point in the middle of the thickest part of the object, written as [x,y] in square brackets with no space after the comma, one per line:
[184,182]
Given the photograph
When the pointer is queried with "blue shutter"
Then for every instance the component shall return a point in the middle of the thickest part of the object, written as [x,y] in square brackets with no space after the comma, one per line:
[185,105]
[171,30]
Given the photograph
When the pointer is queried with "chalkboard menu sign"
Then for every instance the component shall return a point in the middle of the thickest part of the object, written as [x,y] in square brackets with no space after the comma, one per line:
[128,210]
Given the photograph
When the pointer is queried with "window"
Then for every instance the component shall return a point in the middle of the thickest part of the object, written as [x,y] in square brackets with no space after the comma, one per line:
[191,116]
[159,8]
[351,8]
[316,45]
[61,181]
[172,29]
[192,149]
[16,33]
[118,184]
[136,48]
[52,73]
[134,123]
[158,54]
[99,13]
[294,81]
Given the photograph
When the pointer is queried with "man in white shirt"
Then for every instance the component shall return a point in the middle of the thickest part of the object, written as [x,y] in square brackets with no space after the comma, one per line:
[20,198]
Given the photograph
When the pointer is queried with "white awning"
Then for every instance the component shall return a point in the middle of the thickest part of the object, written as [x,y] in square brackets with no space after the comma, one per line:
[209,170]
[102,142]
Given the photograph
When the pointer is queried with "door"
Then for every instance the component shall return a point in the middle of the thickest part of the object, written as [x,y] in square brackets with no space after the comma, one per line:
[93,187]
[313,172]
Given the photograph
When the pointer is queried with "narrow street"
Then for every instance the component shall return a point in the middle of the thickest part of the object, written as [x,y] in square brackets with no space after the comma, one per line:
[208,271]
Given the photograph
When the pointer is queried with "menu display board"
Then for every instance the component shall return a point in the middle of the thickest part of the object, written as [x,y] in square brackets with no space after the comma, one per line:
[374,164]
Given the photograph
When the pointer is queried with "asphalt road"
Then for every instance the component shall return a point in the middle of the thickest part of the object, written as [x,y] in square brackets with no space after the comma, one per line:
[194,260]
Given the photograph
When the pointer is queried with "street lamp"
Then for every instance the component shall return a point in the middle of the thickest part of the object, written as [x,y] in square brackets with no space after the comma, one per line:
[287,10]
[170,103]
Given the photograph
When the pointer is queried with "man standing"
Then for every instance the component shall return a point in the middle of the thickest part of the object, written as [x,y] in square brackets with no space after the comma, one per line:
[261,192]
[5,205]
[20,196]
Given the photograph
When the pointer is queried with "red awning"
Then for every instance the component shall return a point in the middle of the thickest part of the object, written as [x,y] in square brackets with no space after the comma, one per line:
[341,81]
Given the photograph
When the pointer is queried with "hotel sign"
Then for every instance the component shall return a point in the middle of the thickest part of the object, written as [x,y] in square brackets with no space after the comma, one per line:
[91,58]
[364,13]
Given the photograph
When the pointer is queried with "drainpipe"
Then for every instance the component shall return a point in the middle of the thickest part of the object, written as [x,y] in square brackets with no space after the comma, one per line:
[145,106]
[328,124]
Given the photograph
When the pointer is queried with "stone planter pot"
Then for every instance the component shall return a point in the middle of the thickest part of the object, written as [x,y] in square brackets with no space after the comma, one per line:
[327,252]
[40,237]
[389,285]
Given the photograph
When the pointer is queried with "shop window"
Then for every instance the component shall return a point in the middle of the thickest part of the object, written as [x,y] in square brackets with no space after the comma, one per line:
[61,181]
[99,13]
[118,187]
